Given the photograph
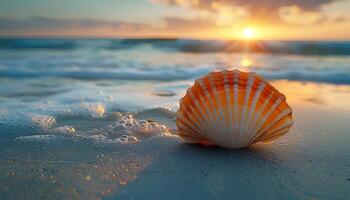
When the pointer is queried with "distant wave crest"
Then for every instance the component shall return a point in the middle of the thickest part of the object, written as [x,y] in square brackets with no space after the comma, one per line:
[325,76]
[186,45]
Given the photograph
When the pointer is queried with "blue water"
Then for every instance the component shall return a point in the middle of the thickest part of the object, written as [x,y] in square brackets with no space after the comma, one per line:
[172,59]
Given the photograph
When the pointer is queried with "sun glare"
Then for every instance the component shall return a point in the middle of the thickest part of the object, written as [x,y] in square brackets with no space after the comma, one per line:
[248,33]
[245,62]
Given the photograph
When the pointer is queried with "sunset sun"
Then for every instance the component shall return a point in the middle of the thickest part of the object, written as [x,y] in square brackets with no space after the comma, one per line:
[248,33]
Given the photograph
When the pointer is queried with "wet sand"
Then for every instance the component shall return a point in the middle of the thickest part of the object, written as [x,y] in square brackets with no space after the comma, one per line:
[310,162]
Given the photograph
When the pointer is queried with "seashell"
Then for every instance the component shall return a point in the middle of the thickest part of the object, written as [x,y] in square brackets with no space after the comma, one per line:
[233,109]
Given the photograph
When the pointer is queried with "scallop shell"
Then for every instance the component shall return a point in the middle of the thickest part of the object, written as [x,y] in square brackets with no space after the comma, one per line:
[233,109]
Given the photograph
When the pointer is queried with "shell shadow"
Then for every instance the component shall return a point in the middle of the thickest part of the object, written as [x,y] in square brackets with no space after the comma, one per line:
[258,151]
[207,172]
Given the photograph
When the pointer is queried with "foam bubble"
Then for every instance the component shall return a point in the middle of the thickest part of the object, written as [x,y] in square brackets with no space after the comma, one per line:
[126,139]
[96,110]
[98,137]
[63,130]
[81,109]
[16,124]
[141,129]
[37,138]
[127,130]
[114,116]
[43,121]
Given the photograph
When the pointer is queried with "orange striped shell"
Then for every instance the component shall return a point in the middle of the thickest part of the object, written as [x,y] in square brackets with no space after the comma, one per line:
[233,109]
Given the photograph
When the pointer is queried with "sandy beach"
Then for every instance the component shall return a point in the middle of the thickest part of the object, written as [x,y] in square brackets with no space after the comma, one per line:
[311,162]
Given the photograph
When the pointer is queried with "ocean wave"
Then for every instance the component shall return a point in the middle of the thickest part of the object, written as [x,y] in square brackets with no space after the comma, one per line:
[333,77]
[336,76]
[122,74]
[62,44]
[186,45]
[129,43]
[276,47]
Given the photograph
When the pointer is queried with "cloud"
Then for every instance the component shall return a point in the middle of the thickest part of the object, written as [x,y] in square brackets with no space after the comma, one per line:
[269,11]
[174,23]
[92,27]
[252,4]
[48,23]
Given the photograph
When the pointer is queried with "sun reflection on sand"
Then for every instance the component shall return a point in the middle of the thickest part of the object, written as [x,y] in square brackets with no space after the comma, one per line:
[246,62]
[317,94]
[102,176]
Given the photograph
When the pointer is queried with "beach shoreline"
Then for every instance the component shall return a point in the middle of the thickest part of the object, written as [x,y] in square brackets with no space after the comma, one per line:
[300,165]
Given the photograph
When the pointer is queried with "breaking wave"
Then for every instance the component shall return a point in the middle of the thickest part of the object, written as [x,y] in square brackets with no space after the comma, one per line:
[186,45]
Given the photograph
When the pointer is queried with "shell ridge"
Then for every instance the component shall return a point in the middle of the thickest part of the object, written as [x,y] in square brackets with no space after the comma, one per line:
[198,111]
[235,101]
[253,105]
[281,116]
[255,119]
[195,121]
[288,123]
[194,132]
[279,131]
[203,97]
[188,135]
[217,108]
[228,105]
[224,101]
[182,119]
[262,121]
[189,122]
[209,98]
[271,110]
[187,128]
[245,104]
[208,113]
[184,130]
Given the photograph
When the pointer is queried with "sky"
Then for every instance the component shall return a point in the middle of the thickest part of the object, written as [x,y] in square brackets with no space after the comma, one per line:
[199,19]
